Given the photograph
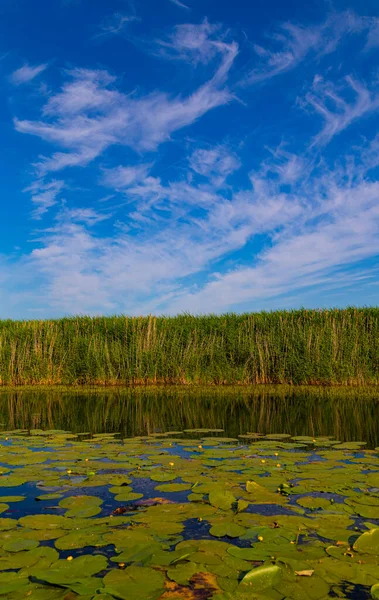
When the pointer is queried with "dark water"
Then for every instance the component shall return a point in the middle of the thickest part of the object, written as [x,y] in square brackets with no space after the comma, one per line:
[346,414]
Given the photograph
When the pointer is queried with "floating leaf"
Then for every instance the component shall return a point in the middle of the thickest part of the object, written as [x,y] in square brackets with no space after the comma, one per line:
[182,573]
[174,487]
[260,578]
[222,499]
[20,544]
[368,542]
[81,506]
[229,529]
[134,583]
[64,572]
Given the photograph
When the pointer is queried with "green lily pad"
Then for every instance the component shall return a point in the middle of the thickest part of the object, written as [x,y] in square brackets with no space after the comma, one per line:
[163,476]
[260,578]
[81,506]
[11,582]
[49,497]
[182,574]
[138,552]
[222,499]
[82,538]
[227,529]
[174,487]
[314,502]
[128,496]
[368,542]
[64,572]
[11,499]
[19,545]
[134,583]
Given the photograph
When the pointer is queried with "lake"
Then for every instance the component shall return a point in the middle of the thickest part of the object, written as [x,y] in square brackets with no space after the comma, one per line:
[168,493]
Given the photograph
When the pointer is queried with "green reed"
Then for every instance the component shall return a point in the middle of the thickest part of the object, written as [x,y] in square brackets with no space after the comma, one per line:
[325,347]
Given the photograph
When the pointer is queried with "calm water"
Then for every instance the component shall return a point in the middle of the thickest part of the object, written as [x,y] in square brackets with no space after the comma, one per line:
[348,415]
[194,514]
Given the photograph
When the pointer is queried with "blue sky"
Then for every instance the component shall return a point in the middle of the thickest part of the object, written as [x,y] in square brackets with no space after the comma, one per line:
[161,156]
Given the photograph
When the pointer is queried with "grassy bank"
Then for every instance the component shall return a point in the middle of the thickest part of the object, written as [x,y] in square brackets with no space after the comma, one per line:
[331,347]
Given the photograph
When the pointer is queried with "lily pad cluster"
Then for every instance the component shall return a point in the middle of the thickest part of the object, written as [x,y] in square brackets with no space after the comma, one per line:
[166,517]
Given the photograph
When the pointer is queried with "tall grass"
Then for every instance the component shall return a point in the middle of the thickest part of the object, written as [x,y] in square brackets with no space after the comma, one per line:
[297,347]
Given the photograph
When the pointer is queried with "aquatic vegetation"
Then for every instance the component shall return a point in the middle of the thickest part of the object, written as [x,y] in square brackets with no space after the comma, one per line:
[295,347]
[187,516]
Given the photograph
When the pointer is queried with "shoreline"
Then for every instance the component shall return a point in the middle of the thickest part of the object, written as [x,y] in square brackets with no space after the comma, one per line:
[285,390]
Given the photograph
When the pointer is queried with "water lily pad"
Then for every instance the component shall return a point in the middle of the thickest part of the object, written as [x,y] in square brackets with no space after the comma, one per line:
[314,502]
[138,552]
[134,583]
[20,544]
[222,499]
[45,497]
[174,487]
[82,538]
[10,582]
[368,542]
[182,573]
[163,476]
[81,506]
[227,529]
[260,578]
[11,499]
[64,572]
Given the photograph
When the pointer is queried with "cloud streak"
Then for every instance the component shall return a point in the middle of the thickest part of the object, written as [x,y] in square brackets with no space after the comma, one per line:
[26,74]
[89,114]
[290,44]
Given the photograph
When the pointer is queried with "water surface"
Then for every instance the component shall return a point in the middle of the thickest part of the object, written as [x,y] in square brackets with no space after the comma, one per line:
[347,414]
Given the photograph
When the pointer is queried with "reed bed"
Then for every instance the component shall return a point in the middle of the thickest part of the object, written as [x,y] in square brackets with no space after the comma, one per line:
[327,347]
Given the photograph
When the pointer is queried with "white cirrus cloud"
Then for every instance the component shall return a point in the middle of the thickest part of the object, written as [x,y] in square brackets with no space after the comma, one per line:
[45,195]
[116,24]
[338,110]
[89,114]
[122,177]
[292,43]
[180,4]
[26,73]
[215,163]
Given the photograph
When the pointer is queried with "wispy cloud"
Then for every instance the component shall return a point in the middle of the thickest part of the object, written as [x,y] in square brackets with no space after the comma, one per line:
[317,247]
[330,102]
[215,163]
[44,195]
[199,43]
[116,24]
[26,73]
[89,114]
[317,226]
[121,177]
[180,4]
[292,43]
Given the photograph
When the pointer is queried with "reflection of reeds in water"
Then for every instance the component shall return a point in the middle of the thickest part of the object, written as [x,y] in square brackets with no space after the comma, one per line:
[347,414]
[305,346]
